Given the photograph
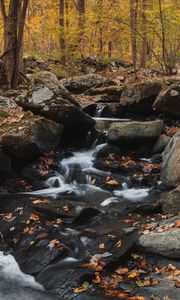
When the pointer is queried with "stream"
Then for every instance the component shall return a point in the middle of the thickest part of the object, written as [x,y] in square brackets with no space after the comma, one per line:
[79,185]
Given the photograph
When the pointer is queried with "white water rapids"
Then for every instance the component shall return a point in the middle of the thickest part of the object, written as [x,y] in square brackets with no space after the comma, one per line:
[82,162]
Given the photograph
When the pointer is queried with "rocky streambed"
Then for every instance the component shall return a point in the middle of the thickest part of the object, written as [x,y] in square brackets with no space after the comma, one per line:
[89,202]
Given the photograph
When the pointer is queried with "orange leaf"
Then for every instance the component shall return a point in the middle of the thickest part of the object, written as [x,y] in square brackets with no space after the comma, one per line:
[38,201]
[122,271]
[34,217]
[177,223]
[112,182]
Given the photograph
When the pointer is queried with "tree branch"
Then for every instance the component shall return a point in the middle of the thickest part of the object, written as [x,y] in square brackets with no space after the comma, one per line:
[153,52]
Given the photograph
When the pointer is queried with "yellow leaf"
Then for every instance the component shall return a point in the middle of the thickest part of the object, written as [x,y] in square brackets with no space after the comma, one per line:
[82,288]
[93,181]
[132,275]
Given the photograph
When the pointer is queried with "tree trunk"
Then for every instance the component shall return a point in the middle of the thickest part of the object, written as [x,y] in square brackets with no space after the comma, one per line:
[163,42]
[133,27]
[144,33]
[62,31]
[109,49]
[13,24]
[81,21]
[100,8]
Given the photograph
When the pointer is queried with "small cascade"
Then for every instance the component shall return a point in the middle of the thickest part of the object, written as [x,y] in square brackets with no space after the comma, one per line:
[11,272]
[99,111]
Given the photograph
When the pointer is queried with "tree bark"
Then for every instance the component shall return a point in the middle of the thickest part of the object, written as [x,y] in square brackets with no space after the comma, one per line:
[62,31]
[144,33]
[133,27]
[13,24]
[81,23]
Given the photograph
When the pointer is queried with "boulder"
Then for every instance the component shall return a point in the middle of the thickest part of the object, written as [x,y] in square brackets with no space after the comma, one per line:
[161,143]
[170,168]
[58,105]
[140,97]
[80,84]
[47,82]
[134,132]
[164,240]
[106,150]
[171,201]
[108,90]
[168,101]
[30,137]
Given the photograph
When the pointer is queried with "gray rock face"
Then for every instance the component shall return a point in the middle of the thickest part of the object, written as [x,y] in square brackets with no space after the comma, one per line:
[44,77]
[58,105]
[168,101]
[171,201]
[170,168]
[42,95]
[134,131]
[161,143]
[80,84]
[31,137]
[140,97]
[166,243]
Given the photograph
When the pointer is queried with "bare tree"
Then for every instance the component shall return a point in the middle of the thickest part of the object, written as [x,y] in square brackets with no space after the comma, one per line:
[133,28]
[144,33]
[81,21]
[62,31]
[13,25]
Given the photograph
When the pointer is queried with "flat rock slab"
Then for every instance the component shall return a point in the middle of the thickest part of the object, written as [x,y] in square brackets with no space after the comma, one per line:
[134,131]
[163,239]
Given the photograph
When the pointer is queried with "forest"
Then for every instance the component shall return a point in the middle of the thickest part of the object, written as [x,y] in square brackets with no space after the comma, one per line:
[89,149]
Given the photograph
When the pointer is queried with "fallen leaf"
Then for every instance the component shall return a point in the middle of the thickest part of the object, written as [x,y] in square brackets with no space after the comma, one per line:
[122,271]
[82,288]
[8,216]
[136,298]
[38,201]
[133,275]
[122,295]
[93,181]
[119,244]
[112,182]
[66,208]
[102,246]
[53,243]
[34,217]
[177,224]
[97,279]
[177,284]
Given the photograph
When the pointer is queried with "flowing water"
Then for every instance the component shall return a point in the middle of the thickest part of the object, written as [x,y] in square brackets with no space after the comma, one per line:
[75,176]
[77,173]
